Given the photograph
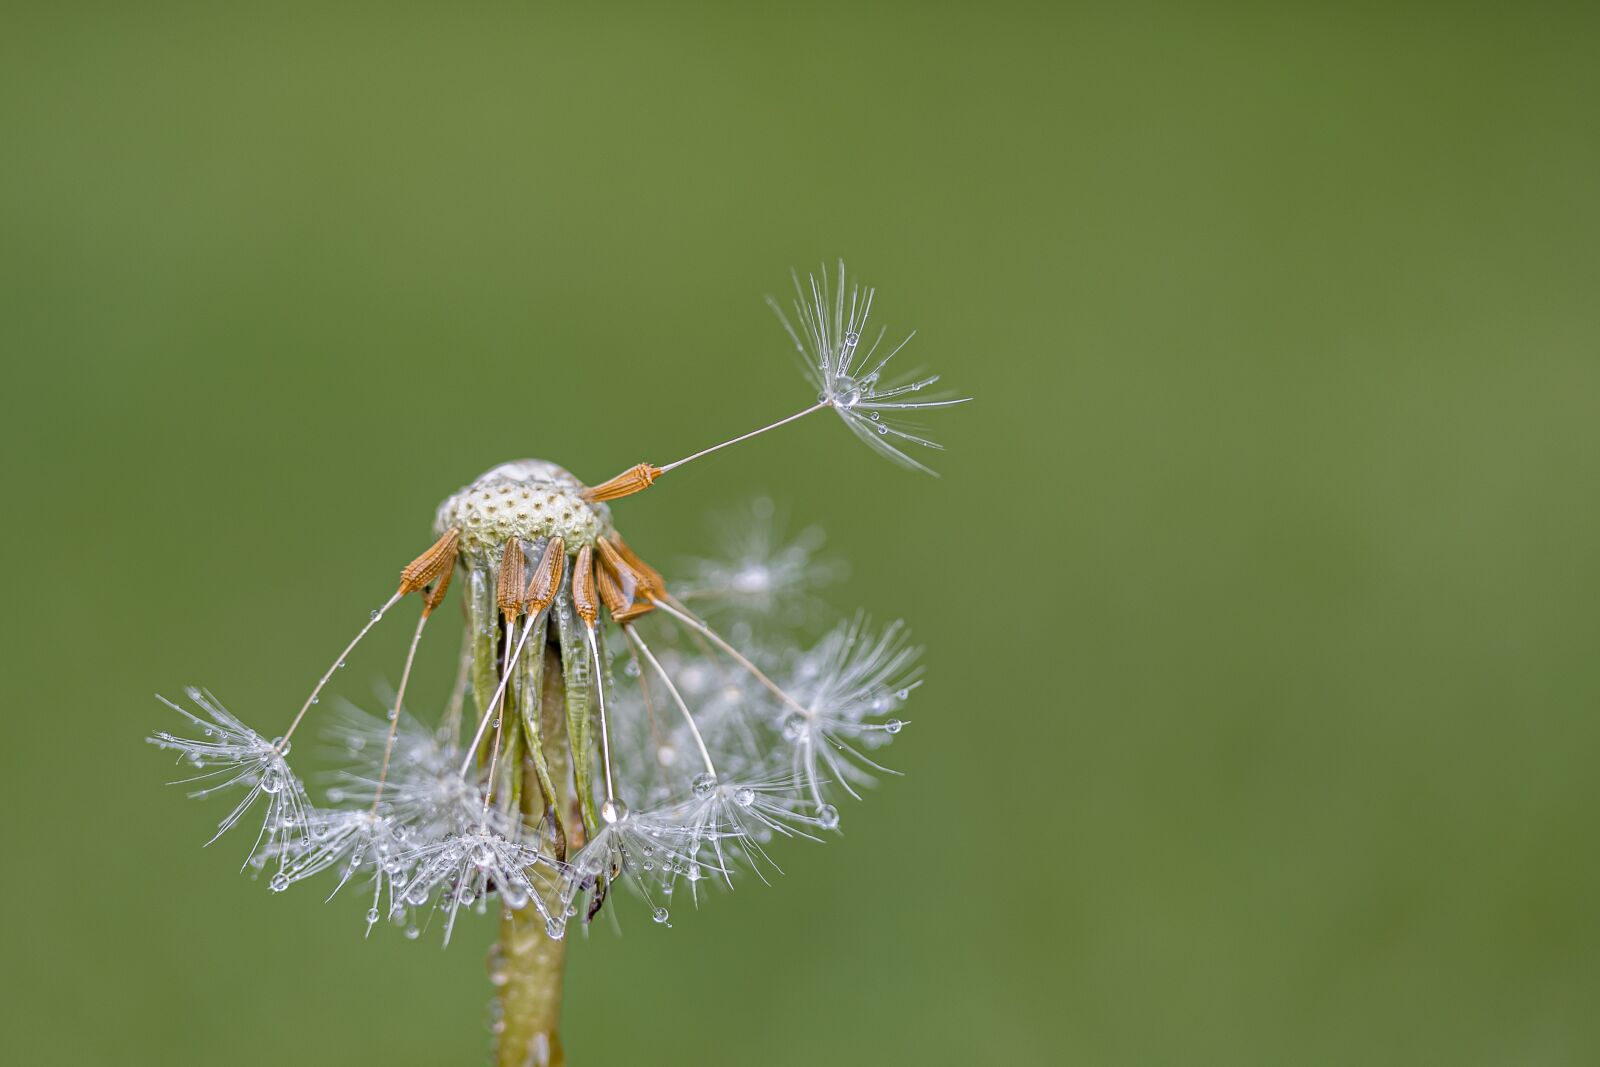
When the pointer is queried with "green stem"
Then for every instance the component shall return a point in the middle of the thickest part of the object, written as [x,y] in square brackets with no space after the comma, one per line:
[527,964]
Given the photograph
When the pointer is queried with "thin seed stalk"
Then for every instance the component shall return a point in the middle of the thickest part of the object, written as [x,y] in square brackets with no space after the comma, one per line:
[527,963]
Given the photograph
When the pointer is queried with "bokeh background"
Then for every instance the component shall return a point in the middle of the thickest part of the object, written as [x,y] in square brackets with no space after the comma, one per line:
[1260,586]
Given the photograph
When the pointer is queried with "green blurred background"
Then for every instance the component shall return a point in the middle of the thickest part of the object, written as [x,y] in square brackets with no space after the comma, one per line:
[1259,588]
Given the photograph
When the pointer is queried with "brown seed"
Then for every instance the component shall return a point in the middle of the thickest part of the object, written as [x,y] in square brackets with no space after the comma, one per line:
[583,601]
[509,590]
[547,576]
[651,584]
[435,595]
[627,483]
[421,571]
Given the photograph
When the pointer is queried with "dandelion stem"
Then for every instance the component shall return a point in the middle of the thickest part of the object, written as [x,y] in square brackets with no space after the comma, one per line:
[527,964]
[745,437]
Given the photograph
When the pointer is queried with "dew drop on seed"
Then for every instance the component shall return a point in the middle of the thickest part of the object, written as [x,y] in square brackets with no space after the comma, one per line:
[828,817]
[376,614]
[894,726]
[613,810]
[903,693]
[883,430]
[745,796]
[660,915]
[372,916]
[703,784]
[341,665]
[693,873]
[279,882]
[411,933]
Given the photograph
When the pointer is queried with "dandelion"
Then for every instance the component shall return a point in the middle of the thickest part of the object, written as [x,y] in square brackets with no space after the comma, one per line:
[601,732]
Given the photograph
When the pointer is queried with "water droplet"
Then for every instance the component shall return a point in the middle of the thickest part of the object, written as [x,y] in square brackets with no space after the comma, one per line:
[341,665]
[316,700]
[902,694]
[828,817]
[271,782]
[376,614]
[372,916]
[613,810]
[279,882]
[693,873]
[845,393]
[703,784]
[412,933]
[794,726]
[483,855]
[883,430]
[744,796]
[852,338]
[660,915]
[894,726]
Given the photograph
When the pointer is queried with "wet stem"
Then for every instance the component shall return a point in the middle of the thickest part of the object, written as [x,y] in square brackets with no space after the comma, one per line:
[526,963]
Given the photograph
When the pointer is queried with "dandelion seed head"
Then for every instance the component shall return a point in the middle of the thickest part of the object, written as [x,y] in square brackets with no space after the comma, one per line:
[528,499]
[601,731]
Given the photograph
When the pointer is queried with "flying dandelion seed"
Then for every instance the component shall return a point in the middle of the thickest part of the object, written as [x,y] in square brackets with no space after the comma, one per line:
[601,731]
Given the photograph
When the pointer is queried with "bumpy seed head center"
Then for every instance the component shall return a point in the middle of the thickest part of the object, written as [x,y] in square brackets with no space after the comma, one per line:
[528,498]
